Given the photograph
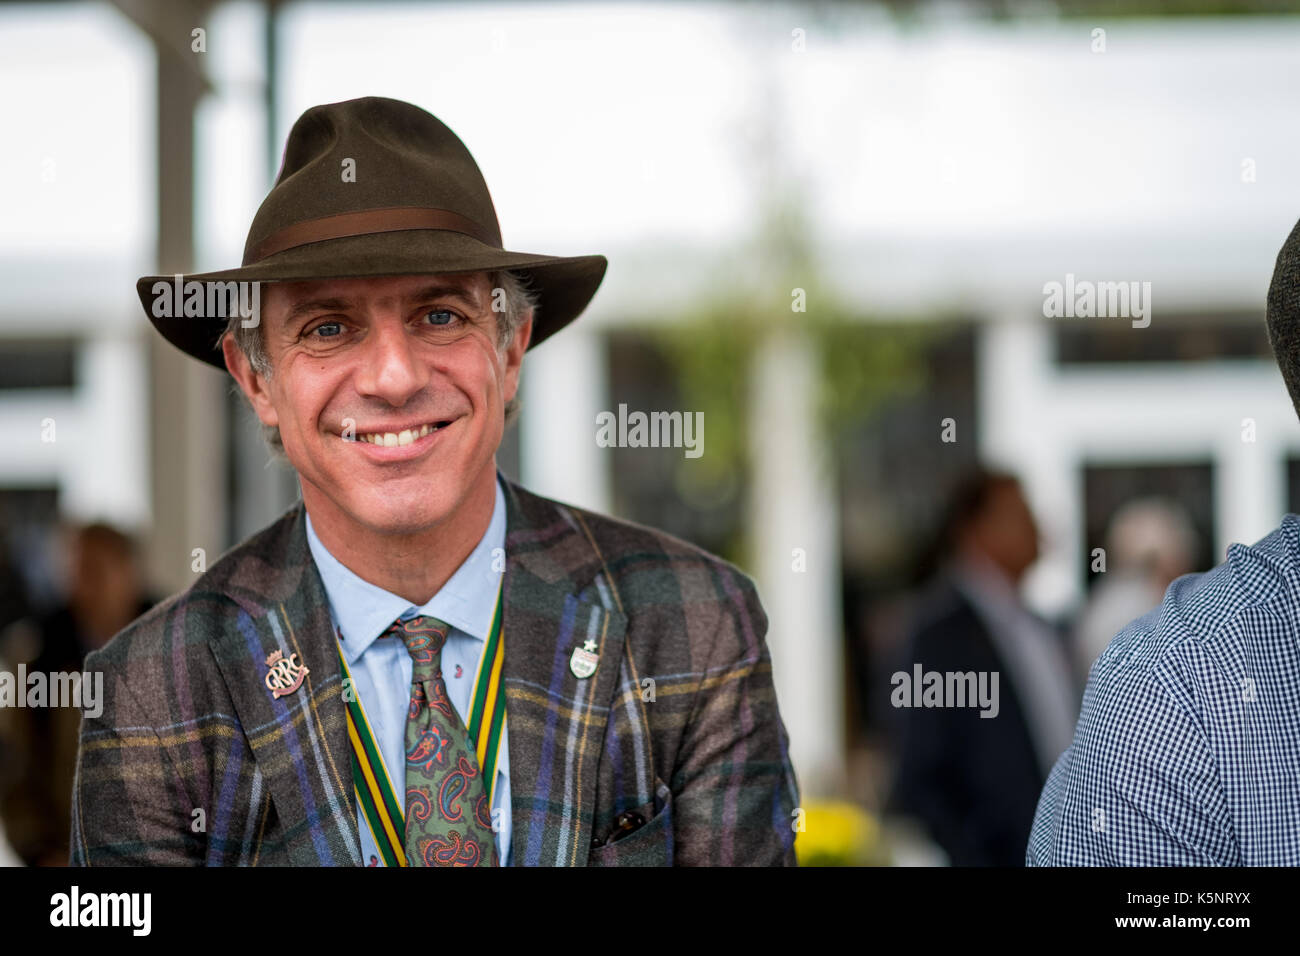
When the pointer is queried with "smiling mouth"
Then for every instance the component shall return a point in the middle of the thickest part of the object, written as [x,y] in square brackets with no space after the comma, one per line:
[405,437]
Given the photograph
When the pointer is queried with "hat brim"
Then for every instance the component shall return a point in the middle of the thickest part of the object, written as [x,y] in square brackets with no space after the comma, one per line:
[564,285]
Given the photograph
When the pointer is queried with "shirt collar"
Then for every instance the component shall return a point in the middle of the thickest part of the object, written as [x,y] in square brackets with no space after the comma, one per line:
[363,611]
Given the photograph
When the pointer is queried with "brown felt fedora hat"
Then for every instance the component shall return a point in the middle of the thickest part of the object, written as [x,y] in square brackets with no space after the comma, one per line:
[373,187]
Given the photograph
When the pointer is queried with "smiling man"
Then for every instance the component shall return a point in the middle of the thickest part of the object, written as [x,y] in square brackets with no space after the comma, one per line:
[421,663]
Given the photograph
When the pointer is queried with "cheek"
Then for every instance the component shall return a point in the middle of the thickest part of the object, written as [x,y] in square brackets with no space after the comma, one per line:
[482,373]
[300,400]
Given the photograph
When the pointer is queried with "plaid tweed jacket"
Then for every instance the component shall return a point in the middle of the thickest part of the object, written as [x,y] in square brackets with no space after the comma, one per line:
[192,760]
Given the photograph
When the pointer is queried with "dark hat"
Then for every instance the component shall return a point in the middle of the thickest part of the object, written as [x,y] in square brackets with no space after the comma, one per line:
[374,187]
[1282,314]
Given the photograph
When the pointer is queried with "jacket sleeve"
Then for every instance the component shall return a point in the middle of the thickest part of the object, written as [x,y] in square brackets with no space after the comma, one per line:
[128,802]
[734,788]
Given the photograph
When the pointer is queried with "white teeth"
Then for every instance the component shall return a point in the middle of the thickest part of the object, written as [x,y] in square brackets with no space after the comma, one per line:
[390,439]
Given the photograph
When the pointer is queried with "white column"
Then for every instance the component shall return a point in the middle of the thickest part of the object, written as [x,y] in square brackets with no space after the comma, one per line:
[1019,432]
[105,471]
[1249,488]
[795,525]
[564,384]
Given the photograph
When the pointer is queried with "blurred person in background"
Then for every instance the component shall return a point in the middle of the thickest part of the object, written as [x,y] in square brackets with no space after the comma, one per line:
[1149,543]
[15,599]
[973,780]
[105,593]
[1187,749]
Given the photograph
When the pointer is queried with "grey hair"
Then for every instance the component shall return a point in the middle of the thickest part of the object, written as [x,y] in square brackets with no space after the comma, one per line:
[514,289]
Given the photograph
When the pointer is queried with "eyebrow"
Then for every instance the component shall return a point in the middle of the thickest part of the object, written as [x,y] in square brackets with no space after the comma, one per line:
[433,291]
[317,305]
[443,289]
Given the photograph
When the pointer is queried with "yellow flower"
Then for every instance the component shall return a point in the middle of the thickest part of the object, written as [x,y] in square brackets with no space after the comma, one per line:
[835,833]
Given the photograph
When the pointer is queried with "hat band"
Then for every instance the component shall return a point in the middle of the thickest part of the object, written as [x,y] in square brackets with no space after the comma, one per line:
[367,222]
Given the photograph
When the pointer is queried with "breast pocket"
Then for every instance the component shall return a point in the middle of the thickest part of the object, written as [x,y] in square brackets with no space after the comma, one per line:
[649,843]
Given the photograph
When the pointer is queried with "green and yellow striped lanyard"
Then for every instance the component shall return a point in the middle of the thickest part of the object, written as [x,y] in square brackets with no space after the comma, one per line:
[376,795]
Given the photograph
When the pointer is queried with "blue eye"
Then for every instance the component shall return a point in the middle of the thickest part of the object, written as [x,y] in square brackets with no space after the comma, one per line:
[449,316]
[325,325]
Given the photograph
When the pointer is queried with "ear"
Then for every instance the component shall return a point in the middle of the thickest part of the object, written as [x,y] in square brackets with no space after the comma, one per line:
[515,354]
[252,384]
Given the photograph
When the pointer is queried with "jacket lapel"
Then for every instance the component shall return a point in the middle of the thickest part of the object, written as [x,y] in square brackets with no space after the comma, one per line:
[558,598]
[299,740]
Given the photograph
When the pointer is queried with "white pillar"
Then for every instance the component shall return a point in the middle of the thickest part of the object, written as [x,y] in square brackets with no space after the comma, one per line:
[106,470]
[796,557]
[1249,488]
[1018,433]
[564,384]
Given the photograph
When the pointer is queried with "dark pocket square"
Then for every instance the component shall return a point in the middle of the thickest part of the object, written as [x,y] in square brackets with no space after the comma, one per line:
[642,836]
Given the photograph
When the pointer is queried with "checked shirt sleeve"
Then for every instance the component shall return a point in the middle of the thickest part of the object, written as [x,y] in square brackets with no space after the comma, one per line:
[1139,785]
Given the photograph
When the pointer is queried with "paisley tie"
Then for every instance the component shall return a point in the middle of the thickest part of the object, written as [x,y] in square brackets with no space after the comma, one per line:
[448,818]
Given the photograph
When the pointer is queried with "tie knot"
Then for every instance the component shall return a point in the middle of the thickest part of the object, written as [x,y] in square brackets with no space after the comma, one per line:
[424,637]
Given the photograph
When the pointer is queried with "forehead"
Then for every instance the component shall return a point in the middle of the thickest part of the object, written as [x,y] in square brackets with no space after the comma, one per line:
[375,290]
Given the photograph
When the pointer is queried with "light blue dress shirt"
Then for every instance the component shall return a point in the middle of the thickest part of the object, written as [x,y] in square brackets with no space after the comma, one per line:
[381,669]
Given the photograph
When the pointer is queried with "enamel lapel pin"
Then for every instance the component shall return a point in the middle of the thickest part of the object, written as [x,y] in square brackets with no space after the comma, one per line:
[583,660]
[285,675]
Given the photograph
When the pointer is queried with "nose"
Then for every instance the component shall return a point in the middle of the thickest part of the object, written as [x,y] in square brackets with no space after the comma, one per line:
[391,367]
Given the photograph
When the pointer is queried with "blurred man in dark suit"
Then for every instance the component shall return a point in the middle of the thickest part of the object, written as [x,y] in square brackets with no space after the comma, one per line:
[972,774]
